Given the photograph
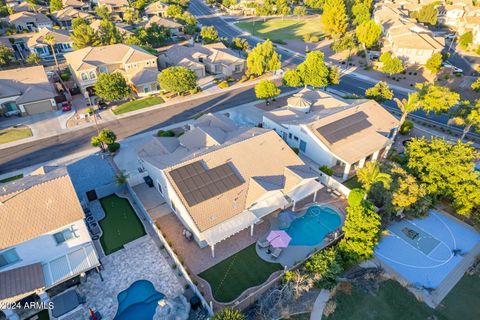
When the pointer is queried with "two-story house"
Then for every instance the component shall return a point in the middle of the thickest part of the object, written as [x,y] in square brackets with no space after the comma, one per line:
[116,7]
[44,240]
[36,42]
[212,58]
[137,65]
[334,132]
[29,21]
[64,17]
[157,8]
[26,90]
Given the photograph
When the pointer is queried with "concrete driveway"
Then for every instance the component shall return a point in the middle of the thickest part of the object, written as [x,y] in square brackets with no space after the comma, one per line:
[42,124]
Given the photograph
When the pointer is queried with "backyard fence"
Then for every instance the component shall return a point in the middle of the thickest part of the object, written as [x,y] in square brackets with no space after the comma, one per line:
[331,182]
[169,250]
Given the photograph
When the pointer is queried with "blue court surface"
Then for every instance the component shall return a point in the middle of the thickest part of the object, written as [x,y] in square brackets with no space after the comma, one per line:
[424,251]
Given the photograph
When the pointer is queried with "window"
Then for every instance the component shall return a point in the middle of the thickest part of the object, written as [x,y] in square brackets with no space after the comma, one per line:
[218,68]
[8,257]
[84,76]
[237,68]
[289,136]
[303,146]
[103,69]
[93,75]
[200,59]
[295,138]
[63,236]
[146,89]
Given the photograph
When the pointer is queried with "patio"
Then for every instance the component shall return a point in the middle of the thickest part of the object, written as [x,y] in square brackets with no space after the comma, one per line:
[140,260]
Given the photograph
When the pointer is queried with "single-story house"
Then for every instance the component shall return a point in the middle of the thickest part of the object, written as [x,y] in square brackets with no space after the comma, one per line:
[65,16]
[220,179]
[157,8]
[27,90]
[175,28]
[212,58]
[334,132]
[30,21]
[63,43]
[44,240]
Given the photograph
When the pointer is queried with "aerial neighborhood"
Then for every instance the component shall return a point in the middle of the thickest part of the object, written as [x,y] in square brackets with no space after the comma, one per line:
[239,159]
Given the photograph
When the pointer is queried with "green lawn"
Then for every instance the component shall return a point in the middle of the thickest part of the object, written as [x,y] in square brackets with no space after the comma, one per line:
[14,134]
[137,104]
[18,176]
[120,225]
[245,269]
[395,302]
[301,316]
[286,29]
[352,183]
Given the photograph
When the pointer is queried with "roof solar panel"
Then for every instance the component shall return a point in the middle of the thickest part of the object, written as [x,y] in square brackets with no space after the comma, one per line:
[342,128]
[198,184]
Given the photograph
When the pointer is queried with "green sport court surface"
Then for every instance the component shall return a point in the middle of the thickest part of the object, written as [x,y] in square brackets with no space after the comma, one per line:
[415,236]
[120,225]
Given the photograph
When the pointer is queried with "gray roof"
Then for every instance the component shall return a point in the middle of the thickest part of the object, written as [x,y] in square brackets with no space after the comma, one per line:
[30,84]
[146,75]
[20,282]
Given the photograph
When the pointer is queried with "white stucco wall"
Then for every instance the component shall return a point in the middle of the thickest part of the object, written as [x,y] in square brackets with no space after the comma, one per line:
[44,248]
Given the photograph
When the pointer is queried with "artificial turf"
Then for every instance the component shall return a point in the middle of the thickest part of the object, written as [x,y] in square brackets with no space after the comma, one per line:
[393,301]
[12,178]
[120,225]
[245,269]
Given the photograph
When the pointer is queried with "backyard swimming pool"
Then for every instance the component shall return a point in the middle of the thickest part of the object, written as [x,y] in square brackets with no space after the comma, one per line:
[139,301]
[313,226]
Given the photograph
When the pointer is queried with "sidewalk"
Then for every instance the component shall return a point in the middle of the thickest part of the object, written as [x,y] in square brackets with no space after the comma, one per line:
[319,305]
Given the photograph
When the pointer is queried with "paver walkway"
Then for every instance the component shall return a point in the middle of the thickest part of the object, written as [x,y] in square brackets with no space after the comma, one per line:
[319,305]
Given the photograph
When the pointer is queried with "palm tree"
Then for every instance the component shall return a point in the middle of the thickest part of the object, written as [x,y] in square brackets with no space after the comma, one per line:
[371,174]
[50,40]
[121,178]
[407,105]
[467,115]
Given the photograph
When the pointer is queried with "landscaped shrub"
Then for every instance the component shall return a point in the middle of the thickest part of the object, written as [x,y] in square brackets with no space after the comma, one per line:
[223,84]
[406,127]
[356,196]
[167,133]
[326,169]
[113,147]
[230,79]
[327,265]
[65,75]
[229,314]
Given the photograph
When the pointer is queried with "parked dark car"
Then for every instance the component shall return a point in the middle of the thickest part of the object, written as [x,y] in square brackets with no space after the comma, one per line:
[101,104]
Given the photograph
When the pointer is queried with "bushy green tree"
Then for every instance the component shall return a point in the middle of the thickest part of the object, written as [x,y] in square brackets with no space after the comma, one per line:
[356,196]
[334,18]
[229,3]
[266,90]
[83,34]
[262,59]
[379,92]
[368,33]
[55,5]
[177,79]
[347,42]
[103,12]
[291,78]
[467,114]
[105,138]
[229,314]
[361,13]
[239,44]
[427,14]
[314,4]
[313,71]
[406,191]
[209,34]
[300,11]
[333,75]
[361,228]
[436,98]
[434,63]
[33,58]
[154,36]
[447,171]
[174,10]
[327,265]
[6,55]
[112,86]
[476,85]
[391,65]
[465,40]
[108,33]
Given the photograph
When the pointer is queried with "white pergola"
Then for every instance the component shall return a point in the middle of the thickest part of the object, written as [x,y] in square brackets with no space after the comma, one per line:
[304,190]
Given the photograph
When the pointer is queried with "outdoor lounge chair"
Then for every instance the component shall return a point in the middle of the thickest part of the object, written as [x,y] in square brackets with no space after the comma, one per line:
[276,253]
[263,244]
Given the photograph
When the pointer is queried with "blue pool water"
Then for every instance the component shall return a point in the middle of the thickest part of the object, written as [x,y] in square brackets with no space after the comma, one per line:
[313,226]
[139,301]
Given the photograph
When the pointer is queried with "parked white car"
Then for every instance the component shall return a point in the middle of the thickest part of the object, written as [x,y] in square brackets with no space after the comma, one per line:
[451,66]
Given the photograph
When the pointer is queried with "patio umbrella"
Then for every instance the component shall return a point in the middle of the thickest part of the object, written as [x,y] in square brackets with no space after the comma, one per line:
[286,218]
[92,314]
[278,239]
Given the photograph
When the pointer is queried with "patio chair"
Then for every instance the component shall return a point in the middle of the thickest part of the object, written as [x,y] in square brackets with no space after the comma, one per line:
[276,253]
[263,244]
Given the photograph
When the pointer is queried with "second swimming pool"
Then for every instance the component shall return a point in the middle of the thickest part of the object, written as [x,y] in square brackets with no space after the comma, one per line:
[313,226]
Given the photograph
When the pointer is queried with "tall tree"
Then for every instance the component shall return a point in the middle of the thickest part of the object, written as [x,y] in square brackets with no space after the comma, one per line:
[391,65]
[108,33]
[266,90]
[174,11]
[112,86]
[291,78]
[407,106]
[313,71]
[406,190]
[103,12]
[368,33]
[467,114]
[6,55]
[334,17]
[262,59]
[379,92]
[447,170]
[83,34]
[476,85]
[209,34]
[371,174]
[177,79]
[427,14]
[50,40]
[434,63]
[361,13]
[435,98]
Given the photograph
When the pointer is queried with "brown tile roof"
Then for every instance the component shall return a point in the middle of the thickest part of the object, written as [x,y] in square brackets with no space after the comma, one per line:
[70,13]
[35,205]
[60,36]
[26,16]
[21,282]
